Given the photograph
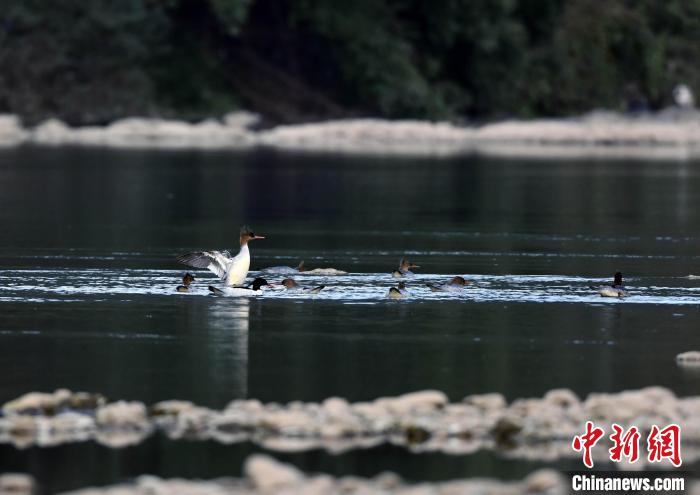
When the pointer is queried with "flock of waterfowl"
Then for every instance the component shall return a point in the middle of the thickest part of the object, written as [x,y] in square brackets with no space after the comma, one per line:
[233,271]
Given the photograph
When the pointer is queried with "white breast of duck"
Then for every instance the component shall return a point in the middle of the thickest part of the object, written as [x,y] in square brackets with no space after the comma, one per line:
[253,289]
[237,269]
[240,291]
[614,290]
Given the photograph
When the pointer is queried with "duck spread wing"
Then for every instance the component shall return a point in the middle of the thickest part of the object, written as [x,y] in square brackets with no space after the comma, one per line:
[214,261]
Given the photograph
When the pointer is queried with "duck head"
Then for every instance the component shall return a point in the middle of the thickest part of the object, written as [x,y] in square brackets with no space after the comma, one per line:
[301,268]
[248,235]
[259,283]
[405,265]
[187,279]
[617,279]
[289,283]
[459,281]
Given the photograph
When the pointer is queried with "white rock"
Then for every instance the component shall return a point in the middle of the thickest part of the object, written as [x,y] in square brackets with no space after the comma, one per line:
[66,427]
[543,481]
[51,131]
[336,407]
[250,405]
[562,397]
[417,401]
[388,480]
[268,475]
[122,415]
[689,358]
[492,401]
[117,439]
[11,131]
[194,422]
[38,402]
[289,422]
[16,484]
[171,407]
[683,96]
[241,119]
[318,485]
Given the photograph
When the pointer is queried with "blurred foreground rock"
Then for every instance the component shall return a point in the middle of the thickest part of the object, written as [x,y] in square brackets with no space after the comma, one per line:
[16,484]
[11,131]
[264,475]
[537,429]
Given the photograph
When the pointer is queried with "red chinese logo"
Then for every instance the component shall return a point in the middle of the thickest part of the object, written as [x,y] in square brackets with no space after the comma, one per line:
[665,444]
[662,444]
[587,441]
[626,445]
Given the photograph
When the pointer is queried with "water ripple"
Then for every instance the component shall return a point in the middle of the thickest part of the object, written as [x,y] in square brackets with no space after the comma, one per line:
[51,285]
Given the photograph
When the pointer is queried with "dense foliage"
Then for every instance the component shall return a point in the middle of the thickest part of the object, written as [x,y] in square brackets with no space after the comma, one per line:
[93,61]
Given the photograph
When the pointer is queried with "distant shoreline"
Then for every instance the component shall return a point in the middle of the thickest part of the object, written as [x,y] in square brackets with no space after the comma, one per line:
[670,134]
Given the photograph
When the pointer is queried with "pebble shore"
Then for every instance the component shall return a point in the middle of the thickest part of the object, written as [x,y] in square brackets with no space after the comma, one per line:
[673,133]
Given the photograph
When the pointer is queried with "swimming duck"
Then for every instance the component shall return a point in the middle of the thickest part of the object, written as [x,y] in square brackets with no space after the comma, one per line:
[186,281]
[232,271]
[614,290]
[395,293]
[290,284]
[457,283]
[399,291]
[254,288]
[404,269]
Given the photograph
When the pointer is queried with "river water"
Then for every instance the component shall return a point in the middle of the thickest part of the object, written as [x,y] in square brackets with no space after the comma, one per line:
[88,300]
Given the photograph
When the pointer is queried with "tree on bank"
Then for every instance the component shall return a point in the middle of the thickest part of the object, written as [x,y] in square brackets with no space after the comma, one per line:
[296,60]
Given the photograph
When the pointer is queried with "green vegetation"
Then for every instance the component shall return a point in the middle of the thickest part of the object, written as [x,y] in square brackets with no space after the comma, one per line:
[294,60]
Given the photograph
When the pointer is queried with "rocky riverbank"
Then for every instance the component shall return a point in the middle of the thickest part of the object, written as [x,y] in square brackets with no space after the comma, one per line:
[537,429]
[674,133]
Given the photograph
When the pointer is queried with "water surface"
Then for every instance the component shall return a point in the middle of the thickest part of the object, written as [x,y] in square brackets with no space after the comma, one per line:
[88,272]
